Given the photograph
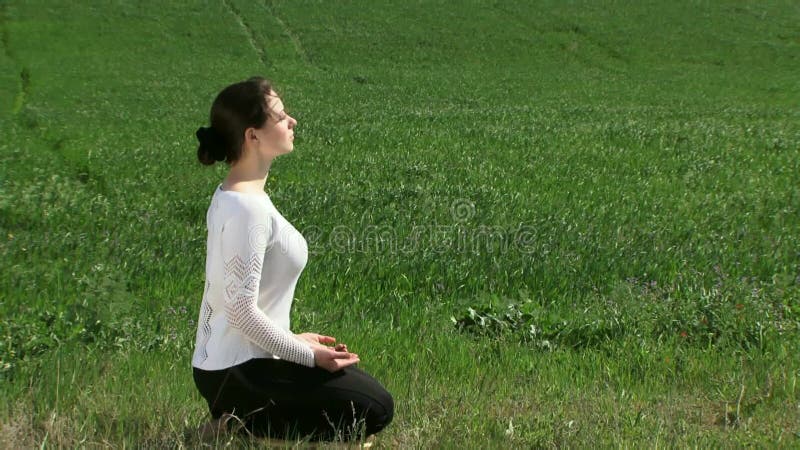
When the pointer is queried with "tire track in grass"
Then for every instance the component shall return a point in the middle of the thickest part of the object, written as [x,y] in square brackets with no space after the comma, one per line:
[298,46]
[572,30]
[607,49]
[4,36]
[262,54]
[24,80]
[24,89]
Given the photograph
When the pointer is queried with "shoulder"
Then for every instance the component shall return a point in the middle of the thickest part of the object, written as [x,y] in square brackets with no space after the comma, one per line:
[248,221]
[243,212]
[246,206]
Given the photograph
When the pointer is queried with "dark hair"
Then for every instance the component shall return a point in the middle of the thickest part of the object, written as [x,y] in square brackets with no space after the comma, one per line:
[237,107]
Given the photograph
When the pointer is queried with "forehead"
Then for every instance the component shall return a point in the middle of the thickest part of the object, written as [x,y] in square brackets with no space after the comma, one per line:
[275,102]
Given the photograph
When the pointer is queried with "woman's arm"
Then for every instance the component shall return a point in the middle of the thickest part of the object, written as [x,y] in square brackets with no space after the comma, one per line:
[244,240]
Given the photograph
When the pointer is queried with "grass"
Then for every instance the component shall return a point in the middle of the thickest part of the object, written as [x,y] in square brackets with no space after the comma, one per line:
[539,225]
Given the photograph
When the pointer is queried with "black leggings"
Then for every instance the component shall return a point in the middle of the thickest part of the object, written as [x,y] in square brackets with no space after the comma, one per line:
[282,399]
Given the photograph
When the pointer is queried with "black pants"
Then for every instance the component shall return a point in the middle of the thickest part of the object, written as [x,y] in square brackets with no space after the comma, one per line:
[282,399]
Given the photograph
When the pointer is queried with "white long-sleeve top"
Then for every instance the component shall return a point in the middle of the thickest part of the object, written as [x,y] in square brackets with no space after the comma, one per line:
[254,259]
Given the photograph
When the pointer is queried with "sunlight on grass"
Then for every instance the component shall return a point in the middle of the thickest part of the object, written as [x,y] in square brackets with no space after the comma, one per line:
[539,225]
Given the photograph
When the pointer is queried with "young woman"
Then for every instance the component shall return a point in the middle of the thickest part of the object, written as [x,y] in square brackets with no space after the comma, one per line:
[251,369]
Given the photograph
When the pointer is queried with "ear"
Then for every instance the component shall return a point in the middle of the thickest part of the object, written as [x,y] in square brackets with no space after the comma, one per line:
[251,135]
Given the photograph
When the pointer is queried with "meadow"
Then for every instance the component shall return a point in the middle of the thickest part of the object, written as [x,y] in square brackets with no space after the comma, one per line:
[539,224]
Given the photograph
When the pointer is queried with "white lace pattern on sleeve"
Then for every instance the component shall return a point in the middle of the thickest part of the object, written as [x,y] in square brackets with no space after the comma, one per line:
[244,243]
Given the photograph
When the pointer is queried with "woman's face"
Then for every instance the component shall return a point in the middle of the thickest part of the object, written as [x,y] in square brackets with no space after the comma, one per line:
[276,137]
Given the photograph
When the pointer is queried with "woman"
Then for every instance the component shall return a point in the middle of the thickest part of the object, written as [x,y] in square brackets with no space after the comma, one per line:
[247,363]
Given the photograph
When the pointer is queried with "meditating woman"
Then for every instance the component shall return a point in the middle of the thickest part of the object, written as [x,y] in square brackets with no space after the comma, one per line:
[251,369]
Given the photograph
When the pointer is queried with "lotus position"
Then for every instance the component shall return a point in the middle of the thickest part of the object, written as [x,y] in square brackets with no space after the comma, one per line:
[252,370]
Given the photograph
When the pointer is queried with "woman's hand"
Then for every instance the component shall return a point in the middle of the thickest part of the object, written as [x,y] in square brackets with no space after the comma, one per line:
[330,359]
[319,339]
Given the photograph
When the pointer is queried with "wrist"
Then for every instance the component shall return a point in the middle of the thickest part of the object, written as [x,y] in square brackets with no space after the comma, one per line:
[306,340]
[313,359]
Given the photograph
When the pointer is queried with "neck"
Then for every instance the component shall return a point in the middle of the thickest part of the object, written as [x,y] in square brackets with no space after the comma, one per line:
[251,172]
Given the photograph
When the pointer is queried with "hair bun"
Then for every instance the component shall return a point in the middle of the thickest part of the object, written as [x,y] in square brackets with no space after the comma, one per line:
[210,138]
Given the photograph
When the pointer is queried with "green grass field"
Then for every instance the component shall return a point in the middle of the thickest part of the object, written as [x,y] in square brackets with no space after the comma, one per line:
[560,224]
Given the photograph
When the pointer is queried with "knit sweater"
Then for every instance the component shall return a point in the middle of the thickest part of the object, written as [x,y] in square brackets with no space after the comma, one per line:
[253,261]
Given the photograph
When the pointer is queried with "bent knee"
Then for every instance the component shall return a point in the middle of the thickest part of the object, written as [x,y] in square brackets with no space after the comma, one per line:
[381,413]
